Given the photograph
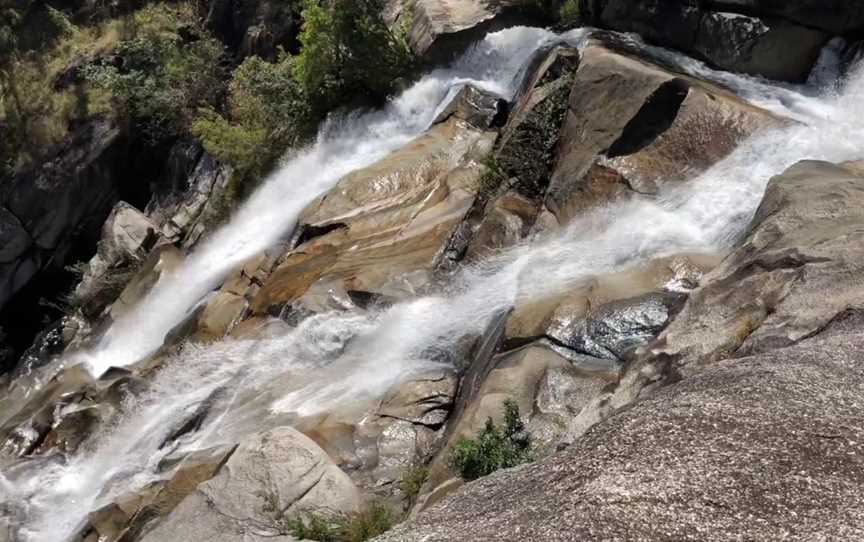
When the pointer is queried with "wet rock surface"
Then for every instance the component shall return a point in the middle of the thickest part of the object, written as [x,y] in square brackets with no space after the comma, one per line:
[719,420]
[732,452]
[397,215]
[795,272]
[737,411]
[633,127]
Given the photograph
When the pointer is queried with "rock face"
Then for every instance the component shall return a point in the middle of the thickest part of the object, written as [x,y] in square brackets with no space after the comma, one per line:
[754,387]
[273,477]
[438,29]
[736,451]
[127,238]
[835,16]
[632,127]
[716,399]
[779,42]
[397,215]
[799,268]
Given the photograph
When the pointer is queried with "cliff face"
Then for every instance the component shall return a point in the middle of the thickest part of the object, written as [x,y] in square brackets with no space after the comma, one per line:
[590,237]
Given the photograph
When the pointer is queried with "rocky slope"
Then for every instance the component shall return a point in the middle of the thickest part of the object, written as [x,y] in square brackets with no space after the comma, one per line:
[751,430]
[694,394]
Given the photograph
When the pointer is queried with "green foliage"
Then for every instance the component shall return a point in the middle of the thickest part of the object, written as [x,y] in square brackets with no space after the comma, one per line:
[529,153]
[312,527]
[155,67]
[569,12]
[412,481]
[348,52]
[157,78]
[492,177]
[374,520]
[267,113]
[494,448]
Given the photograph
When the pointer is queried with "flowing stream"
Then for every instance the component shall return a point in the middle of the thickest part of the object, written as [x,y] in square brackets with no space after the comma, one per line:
[339,362]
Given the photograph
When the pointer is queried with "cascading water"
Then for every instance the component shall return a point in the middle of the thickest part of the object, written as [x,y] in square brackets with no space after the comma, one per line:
[336,361]
[344,146]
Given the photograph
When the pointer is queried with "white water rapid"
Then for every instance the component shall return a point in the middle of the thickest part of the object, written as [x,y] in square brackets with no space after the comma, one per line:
[335,362]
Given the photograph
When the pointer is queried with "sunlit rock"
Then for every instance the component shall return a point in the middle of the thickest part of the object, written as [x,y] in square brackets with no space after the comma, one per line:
[388,223]
[633,127]
[272,477]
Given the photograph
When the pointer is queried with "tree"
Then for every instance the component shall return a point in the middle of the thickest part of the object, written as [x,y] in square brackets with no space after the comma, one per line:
[348,52]
[267,113]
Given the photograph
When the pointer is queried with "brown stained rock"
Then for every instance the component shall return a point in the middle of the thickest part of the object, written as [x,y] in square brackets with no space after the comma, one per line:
[506,221]
[70,430]
[227,308]
[423,400]
[479,109]
[633,127]
[387,224]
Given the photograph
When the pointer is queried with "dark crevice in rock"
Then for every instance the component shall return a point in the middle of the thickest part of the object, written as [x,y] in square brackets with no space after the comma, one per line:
[482,363]
[514,343]
[655,117]
[414,422]
[369,300]
[309,232]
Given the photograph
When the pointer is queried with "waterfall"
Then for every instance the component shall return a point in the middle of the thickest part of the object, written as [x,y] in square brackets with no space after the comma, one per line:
[494,65]
[343,361]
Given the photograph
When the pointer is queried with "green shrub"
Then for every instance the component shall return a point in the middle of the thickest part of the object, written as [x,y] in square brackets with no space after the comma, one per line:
[370,522]
[348,53]
[267,114]
[569,13]
[412,481]
[313,527]
[158,78]
[493,448]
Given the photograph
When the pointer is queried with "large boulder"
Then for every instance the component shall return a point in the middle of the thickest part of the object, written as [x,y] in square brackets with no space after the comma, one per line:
[835,16]
[274,476]
[438,29]
[799,268]
[397,216]
[767,447]
[736,40]
[633,127]
[127,238]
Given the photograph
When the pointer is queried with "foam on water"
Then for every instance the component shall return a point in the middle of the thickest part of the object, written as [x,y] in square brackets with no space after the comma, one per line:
[333,361]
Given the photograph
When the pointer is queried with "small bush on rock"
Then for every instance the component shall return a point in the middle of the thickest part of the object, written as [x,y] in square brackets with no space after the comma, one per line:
[494,448]
[412,481]
[370,522]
